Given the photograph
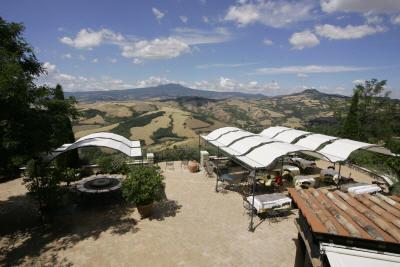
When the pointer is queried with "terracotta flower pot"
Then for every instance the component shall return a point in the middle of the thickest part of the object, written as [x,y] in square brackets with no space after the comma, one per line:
[145,210]
[193,166]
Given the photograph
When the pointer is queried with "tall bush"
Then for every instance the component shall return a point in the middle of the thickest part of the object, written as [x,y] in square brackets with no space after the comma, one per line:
[144,185]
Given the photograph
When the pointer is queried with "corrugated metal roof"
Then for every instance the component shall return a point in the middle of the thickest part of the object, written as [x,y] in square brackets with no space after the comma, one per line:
[371,217]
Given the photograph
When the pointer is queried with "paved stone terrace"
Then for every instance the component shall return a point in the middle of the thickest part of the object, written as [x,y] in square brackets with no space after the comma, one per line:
[196,227]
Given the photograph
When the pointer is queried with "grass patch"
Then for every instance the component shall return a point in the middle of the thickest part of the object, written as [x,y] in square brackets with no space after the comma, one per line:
[166,132]
[90,113]
[203,117]
[124,127]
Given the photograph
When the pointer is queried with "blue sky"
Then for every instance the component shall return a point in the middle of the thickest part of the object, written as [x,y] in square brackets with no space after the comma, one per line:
[269,47]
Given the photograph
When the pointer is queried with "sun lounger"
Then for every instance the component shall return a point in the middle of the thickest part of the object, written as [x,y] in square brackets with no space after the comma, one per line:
[360,188]
[266,202]
[303,163]
[301,181]
[230,178]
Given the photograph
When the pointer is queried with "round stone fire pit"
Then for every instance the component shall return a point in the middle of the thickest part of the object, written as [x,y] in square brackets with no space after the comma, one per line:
[96,184]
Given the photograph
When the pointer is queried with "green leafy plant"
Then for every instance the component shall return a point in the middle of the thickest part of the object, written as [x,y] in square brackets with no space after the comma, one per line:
[144,185]
[43,184]
[112,164]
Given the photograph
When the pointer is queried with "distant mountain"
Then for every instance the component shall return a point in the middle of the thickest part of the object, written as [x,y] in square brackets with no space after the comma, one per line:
[314,93]
[166,91]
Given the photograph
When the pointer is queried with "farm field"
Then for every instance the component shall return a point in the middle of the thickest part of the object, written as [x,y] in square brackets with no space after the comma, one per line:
[166,123]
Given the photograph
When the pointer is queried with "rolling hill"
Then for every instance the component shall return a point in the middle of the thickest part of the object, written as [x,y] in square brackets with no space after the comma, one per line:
[161,92]
[170,119]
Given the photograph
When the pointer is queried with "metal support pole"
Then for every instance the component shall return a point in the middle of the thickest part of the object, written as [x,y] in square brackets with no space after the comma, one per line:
[199,147]
[251,227]
[217,161]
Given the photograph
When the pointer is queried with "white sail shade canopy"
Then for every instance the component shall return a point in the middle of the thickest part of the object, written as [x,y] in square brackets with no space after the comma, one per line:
[102,139]
[260,151]
[219,132]
[289,136]
[229,138]
[244,145]
[263,156]
[116,137]
[313,141]
[340,150]
[271,132]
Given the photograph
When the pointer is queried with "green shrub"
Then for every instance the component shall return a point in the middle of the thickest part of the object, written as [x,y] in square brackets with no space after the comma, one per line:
[113,164]
[43,184]
[144,185]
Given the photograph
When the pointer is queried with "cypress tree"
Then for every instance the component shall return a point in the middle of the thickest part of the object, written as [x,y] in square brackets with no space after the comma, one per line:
[351,128]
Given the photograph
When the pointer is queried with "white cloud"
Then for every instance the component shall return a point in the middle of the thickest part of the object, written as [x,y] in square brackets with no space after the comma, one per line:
[310,69]
[178,43]
[302,75]
[95,60]
[301,40]
[223,65]
[80,83]
[153,81]
[205,19]
[49,67]
[355,82]
[230,85]
[372,18]
[184,19]
[362,6]
[268,41]
[348,32]
[275,14]
[87,38]
[396,19]
[66,56]
[137,61]
[155,49]
[157,13]
[193,36]
[82,57]
[340,89]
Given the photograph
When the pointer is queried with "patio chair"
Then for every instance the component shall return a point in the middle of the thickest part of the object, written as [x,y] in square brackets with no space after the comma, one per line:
[209,170]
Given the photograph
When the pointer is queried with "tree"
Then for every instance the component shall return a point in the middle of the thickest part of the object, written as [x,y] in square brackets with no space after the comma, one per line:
[351,128]
[63,132]
[32,117]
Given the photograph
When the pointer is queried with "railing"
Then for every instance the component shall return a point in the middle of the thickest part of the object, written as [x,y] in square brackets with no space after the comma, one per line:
[385,178]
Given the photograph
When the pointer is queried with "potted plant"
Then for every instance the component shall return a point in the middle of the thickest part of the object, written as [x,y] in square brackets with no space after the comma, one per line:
[142,186]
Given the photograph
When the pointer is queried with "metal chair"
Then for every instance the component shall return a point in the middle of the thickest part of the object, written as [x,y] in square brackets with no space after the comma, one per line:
[209,170]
